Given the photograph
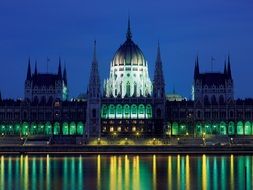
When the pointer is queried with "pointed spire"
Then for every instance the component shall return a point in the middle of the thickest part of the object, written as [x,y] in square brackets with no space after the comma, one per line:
[95,52]
[65,75]
[29,75]
[129,33]
[225,67]
[159,90]
[59,69]
[196,69]
[94,81]
[158,56]
[35,70]
[229,68]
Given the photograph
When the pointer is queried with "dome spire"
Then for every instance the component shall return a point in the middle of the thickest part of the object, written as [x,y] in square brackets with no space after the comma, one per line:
[129,33]
[94,52]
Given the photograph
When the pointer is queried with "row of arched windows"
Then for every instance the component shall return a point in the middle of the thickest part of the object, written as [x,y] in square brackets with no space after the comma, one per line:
[126,111]
[48,128]
[222,128]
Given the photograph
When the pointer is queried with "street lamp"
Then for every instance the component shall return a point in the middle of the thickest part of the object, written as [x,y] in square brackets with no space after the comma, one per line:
[154,140]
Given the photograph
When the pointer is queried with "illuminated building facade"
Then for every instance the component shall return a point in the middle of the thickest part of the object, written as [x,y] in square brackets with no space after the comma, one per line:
[130,103]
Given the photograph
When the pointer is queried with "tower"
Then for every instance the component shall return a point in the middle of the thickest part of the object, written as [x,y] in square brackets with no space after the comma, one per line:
[213,88]
[229,84]
[93,100]
[65,85]
[159,97]
[28,82]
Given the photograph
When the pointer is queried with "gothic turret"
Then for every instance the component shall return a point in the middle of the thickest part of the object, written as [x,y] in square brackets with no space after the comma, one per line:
[35,70]
[159,95]
[229,68]
[65,75]
[94,81]
[93,100]
[225,67]
[196,68]
[129,33]
[29,75]
[158,83]
[59,69]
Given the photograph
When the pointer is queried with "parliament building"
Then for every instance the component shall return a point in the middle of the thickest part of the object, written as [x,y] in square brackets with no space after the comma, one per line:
[127,104]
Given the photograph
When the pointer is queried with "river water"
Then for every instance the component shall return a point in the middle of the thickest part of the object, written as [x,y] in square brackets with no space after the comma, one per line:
[123,172]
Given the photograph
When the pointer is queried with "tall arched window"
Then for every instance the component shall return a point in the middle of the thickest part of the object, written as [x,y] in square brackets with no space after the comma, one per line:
[111,111]
[119,111]
[133,111]
[135,89]
[126,111]
[128,89]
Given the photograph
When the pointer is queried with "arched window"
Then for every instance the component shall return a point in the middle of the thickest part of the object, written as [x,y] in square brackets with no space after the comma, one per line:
[128,89]
[25,129]
[141,111]
[111,111]
[231,128]
[174,128]
[148,111]
[3,129]
[133,111]
[80,128]
[135,89]
[198,129]
[223,128]
[208,129]
[17,129]
[56,128]
[65,128]
[48,128]
[239,128]
[247,128]
[72,128]
[33,129]
[119,111]
[104,112]
[126,111]
[182,129]
[41,129]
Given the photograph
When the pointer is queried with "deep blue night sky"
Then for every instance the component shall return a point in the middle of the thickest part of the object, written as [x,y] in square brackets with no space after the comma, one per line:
[46,28]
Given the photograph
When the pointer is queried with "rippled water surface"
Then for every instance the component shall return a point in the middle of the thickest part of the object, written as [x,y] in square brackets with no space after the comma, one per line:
[126,172]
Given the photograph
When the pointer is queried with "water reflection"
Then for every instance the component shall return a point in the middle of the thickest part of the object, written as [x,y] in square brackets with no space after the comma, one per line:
[126,172]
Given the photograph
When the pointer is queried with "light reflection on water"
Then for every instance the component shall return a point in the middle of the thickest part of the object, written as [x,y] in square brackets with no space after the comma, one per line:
[123,172]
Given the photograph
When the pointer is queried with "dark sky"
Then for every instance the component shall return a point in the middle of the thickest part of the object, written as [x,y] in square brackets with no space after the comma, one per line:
[67,28]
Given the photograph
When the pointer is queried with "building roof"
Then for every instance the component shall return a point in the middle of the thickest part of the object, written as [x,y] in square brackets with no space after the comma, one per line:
[210,79]
[45,79]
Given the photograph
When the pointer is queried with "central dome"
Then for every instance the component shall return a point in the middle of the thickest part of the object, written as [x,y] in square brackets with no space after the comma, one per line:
[129,54]
[129,72]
